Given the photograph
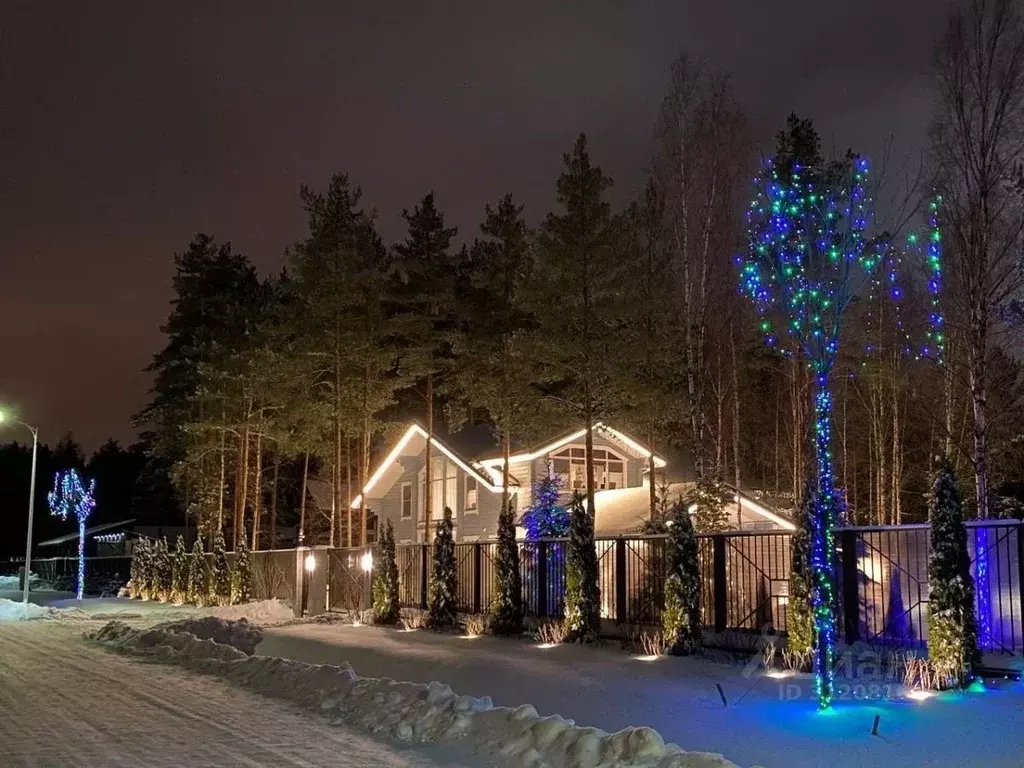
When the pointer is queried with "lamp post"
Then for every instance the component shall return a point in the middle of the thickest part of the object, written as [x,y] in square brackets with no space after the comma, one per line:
[31,500]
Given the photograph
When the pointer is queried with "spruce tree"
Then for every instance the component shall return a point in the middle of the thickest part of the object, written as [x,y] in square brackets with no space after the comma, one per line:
[241,574]
[195,591]
[385,579]
[507,609]
[582,594]
[952,630]
[162,575]
[546,518]
[799,617]
[179,572]
[681,619]
[443,578]
[711,496]
[220,573]
[136,579]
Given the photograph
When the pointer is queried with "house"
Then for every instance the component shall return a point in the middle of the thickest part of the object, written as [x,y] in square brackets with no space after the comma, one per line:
[466,476]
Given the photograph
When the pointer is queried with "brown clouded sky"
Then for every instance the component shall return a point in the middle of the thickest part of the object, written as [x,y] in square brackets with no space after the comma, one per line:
[126,127]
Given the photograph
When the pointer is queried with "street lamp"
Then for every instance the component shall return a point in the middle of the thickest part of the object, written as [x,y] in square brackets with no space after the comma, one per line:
[31,499]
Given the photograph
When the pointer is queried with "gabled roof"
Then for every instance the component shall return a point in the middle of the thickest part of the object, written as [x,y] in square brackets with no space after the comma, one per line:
[415,429]
[570,437]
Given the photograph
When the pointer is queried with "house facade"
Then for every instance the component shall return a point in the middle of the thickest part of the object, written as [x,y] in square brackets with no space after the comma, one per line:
[471,486]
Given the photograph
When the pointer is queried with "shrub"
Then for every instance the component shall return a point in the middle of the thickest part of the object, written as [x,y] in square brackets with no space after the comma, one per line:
[444,596]
[582,594]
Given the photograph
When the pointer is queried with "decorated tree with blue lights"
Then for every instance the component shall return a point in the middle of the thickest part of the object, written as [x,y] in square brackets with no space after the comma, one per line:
[71,498]
[808,253]
[546,518]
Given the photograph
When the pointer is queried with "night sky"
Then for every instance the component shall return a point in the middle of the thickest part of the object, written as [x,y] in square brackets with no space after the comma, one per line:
[127,127]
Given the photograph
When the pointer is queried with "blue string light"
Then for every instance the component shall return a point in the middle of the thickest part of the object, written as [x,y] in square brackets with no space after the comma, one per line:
[70,498]
[806,250]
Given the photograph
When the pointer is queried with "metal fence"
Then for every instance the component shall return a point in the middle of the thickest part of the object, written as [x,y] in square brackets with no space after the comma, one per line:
[883,581]
[882,597]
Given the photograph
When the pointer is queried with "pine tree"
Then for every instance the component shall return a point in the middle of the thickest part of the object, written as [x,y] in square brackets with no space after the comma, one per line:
[443,578]
[179,572]
[952,632]
[507,609]
[220,573]
[799,617]
[681,619]
[582,594]
[241,574]
[196,587]
[546,518]
[385,579]
[711,496]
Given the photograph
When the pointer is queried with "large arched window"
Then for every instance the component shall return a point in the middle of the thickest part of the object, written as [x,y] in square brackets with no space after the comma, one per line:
[569,463]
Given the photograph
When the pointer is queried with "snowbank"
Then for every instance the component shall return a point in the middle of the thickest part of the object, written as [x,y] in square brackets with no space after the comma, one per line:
[15,610]
[409,712]
[263,612]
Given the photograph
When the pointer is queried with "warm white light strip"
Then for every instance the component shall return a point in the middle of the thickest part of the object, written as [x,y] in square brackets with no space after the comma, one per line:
[753,505]
[521,457]
[414,430]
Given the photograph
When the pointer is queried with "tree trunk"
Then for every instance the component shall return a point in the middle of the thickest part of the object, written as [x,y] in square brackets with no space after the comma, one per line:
[979,448]
[257,494]
[223,470]
[506,453]
[273,501]
[652,476]
[242,485]
[336,436]
[428,469]
[822,545]
[736,427]
[302,502]
[348,486]
[588,414]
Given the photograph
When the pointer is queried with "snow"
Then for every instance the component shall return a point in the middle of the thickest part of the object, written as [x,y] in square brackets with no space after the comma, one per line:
[64,701]
[262,612]
[408,712]
[609,689]
[16,610]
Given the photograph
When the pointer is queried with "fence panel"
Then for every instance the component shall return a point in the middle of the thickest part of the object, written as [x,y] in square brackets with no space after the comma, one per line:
[757,572]
[994,550]
[273,574]
[348,582]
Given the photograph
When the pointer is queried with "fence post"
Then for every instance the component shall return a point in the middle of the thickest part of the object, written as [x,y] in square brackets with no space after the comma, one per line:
[718,569]
[477,576]
[621,606]
[851,592]
[542,579]
[424,572]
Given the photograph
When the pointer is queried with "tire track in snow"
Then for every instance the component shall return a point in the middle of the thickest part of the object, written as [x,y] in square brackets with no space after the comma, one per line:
[64,702]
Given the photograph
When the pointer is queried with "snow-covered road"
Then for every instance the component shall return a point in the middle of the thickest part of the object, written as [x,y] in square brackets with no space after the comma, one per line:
[761,725]
[65,701]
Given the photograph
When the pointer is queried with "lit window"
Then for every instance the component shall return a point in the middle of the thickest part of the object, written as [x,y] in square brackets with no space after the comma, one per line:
[471,487]
[406,500]
[571,466]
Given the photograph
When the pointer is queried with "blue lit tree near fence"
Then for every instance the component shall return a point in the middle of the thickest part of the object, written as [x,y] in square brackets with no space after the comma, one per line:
[806,254]
[70,498]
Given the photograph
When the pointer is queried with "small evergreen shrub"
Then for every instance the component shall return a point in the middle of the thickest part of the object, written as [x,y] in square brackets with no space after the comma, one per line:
[385,579]
[195,589]
[507,607]
[220,573]
[241,574]
[681,617]
[799,616]
[179,572]
[582,594]
[444,596]
[952,631]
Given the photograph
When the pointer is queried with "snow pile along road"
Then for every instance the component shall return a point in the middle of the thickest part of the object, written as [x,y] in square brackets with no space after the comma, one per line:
[263,612]
[16,610]
[409,712]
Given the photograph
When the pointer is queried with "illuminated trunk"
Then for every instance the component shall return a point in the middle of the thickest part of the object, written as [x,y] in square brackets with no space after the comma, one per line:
[822,554]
